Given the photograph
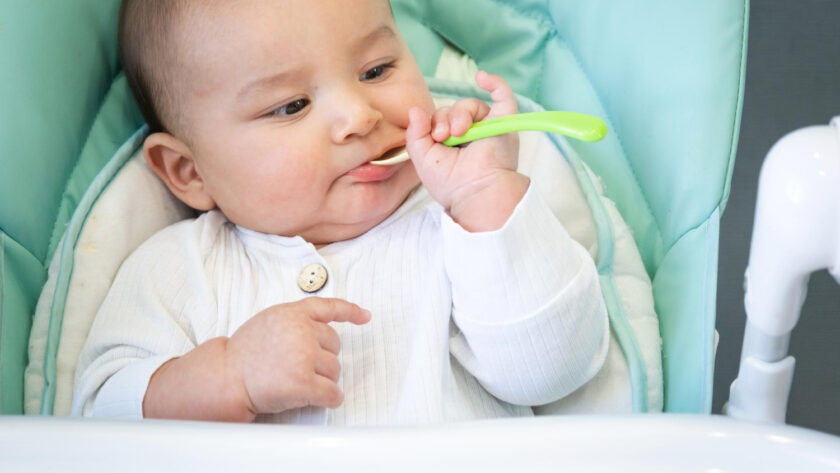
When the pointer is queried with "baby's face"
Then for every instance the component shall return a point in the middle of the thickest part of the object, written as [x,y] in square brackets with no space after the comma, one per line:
[287,101]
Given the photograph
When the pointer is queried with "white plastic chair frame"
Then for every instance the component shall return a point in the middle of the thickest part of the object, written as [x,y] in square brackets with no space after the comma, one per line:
[796,232]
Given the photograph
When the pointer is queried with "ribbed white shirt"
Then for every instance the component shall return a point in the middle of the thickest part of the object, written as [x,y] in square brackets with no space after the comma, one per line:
[464,325]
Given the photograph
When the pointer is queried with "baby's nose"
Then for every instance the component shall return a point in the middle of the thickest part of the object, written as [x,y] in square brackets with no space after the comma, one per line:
[354,118]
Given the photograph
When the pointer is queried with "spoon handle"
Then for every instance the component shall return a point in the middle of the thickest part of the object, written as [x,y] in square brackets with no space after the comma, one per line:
[575,125]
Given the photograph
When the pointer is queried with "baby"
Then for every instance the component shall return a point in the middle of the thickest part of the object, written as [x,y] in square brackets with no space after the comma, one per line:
[439,289]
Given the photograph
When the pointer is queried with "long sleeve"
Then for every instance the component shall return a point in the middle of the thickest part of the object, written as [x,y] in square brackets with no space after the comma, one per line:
[526,299]
[140,325]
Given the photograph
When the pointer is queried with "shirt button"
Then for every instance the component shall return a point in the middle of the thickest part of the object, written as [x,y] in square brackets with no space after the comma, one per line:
[312,278]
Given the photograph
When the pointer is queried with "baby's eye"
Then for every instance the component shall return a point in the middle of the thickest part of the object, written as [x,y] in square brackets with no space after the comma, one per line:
[376,72]
[291,108]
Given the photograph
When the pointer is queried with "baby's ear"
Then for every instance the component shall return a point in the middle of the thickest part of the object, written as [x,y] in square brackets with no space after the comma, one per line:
[174,163]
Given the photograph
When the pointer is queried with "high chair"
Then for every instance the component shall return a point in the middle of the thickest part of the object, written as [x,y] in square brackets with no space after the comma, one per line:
[795,233]
[666,77]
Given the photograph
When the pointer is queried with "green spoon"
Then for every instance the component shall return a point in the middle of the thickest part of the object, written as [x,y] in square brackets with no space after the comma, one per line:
[574,125]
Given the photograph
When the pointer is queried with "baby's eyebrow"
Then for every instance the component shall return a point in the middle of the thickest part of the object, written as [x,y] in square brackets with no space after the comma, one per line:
[264,82]
[383,31]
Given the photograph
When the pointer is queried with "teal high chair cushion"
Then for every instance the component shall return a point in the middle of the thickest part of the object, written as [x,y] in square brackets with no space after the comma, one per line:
[63,115]
[668,80]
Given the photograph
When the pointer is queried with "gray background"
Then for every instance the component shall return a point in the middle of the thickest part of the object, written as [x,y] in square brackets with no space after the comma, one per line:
[793,80]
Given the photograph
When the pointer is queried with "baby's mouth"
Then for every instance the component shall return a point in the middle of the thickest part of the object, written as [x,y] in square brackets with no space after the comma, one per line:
[391,157]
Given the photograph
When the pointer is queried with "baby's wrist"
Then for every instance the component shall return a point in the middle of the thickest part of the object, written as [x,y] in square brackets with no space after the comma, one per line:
[486,205]
[239,401]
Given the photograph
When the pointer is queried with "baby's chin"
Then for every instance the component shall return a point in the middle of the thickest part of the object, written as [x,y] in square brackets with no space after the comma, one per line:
[365,208]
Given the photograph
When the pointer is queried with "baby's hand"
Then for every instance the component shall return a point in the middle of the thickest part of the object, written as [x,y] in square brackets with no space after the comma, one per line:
[285,356]
[477,183]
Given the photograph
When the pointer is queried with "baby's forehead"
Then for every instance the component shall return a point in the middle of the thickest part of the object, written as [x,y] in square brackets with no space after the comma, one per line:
[285,29]
[224,47]
[214,16]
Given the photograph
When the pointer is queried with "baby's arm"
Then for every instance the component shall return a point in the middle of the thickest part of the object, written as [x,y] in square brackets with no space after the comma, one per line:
[527,302]
[157,348]
[526,297]
[283,358]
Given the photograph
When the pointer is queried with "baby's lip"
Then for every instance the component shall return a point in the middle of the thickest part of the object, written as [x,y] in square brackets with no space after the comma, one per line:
[367,172]
[391,157]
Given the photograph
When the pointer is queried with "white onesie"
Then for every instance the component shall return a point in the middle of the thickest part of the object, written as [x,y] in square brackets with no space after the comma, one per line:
[464,326]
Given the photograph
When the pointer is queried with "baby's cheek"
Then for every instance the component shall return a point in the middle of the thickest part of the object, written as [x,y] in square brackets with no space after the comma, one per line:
[425,100]
[420,100]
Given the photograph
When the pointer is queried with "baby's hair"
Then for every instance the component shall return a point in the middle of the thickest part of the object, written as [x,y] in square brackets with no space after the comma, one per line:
[147,53]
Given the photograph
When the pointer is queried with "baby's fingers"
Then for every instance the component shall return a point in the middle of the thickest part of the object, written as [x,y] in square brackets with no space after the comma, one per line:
[440,124]
[463,114]
[327,365]
[504,102]
[328,338]
[324,392]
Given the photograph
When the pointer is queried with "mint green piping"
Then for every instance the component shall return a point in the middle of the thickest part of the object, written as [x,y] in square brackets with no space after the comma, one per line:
[606,246]
[71,238]
[739,109]
[710,307]
[3,316]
